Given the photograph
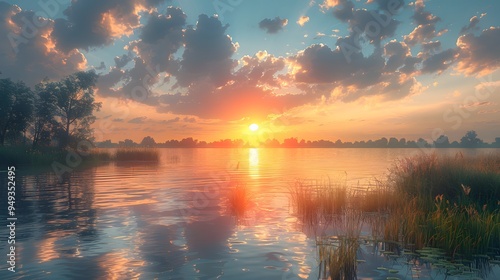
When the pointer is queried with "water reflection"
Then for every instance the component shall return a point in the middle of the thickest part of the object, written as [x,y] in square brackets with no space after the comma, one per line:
[171,221]
[253,159]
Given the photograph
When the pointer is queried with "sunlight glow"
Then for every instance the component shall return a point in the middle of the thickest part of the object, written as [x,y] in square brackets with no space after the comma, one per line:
[254,127]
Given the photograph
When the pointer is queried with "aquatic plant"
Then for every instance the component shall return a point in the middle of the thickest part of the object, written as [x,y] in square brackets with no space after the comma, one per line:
[137,154]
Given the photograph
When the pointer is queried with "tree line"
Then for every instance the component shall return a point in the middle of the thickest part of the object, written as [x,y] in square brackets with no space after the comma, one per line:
[469,140]
[54,113]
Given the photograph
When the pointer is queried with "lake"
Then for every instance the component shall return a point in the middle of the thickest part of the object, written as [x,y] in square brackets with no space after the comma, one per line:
[172,220]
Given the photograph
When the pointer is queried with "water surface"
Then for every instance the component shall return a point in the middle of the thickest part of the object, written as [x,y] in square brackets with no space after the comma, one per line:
[172,220]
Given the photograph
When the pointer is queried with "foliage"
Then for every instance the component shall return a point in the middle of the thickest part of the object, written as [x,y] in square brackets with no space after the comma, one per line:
[149,155]
[16,109]
[75,106]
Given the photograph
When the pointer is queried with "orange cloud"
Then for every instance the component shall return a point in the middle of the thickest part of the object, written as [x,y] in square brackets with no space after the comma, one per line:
[303,20]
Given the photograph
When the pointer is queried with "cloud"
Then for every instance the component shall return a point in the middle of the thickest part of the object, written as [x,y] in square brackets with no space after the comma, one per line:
[397,53]
[101,66]
[138,120]
[121,61]
[160,38]
[375,25]
[27,51]
[327,4]
[431,47]
[207,53]
[303,20]
[387,72]
[189,120]
[174,120]
[273,26]
[95,23]
[439,61]
[479,54]
[152,54]
[426,26]
[473,22]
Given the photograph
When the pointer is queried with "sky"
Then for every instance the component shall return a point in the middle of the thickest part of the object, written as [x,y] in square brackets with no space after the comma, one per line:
[332,69]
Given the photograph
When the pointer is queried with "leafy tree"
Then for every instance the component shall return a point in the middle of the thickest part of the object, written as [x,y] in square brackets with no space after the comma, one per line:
[393,143]
[470,140]
[75,106]
[188,142]
[44,124]
[16,108]
[127,143]
[442,141]
[148,141]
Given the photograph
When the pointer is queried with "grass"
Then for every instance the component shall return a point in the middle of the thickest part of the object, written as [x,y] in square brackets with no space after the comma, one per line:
[238,200]
[319,201]
[450,204]
[427,176]
[137,154]
[338,254]
[44,157]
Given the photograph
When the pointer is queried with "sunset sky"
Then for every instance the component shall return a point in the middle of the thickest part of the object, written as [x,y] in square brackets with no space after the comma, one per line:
[209,69]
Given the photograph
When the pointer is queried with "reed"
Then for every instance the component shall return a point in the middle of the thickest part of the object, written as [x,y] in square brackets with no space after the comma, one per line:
[448,204]
[321,201]
[338,254]
[238,200]
[137,154]
[427,176]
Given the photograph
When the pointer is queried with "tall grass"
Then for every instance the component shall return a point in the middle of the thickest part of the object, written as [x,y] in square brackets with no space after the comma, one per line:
[427,176]
[137,154]
[338,254]
[448,203]
[45,156]
[318,202]
[452,203]
[238,200]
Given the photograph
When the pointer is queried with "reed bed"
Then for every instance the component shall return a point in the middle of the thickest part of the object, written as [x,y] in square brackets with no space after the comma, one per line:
[137,154]
[450,204]
[319,203]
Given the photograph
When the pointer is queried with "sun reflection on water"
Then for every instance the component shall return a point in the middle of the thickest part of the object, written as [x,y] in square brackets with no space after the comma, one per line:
[253,159]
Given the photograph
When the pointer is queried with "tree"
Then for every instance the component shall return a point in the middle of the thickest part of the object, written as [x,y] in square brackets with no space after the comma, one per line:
[442,142]
[148,141]
[127,143]
[44,125]
[496,144]
[75,106]
[16,108]
[470,140]
[393,143]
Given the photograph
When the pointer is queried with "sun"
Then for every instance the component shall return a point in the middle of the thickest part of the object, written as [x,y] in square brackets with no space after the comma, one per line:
[254,127]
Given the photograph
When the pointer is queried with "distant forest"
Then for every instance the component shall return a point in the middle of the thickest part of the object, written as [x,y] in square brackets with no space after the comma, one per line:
[469,140]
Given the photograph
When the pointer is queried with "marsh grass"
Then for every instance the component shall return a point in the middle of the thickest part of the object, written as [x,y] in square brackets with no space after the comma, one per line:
[238,200]
[45,156]
[27,156]
[451,204]
[319,202]
[338,254]
[137,155]
[379,198]
[427,176]
[100,155]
